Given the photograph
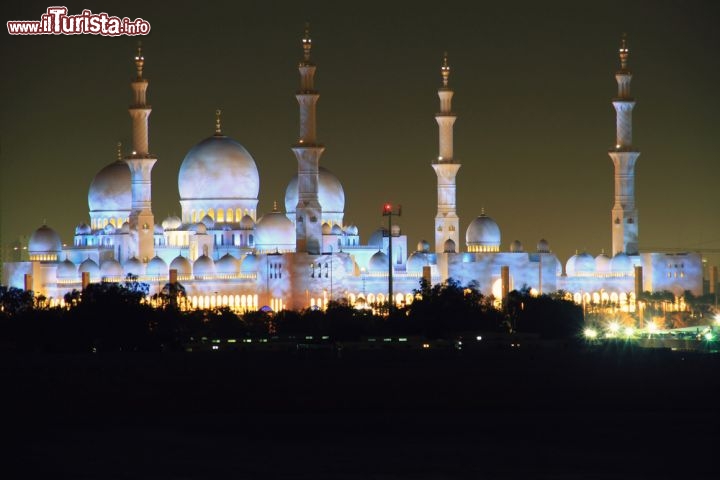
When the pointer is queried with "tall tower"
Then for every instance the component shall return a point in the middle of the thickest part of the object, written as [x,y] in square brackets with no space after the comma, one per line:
[308,212]
[624,156]
[447,223]
[140,162]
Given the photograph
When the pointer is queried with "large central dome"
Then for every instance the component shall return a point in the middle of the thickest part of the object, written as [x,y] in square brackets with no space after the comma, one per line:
[218,168]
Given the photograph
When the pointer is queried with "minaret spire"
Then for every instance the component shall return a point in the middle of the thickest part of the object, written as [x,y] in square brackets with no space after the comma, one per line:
[307,151]
[140,162]
[447,223]
[218,123]
[624,156]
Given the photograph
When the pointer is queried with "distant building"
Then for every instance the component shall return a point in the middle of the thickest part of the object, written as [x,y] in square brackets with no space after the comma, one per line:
[225,254]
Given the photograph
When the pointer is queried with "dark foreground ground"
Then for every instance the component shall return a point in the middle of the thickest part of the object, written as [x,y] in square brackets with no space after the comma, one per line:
[377,415]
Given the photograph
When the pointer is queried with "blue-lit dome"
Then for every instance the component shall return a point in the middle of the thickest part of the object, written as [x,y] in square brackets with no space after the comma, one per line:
[111,268]
[218,168]
[110,190]
[157,266]
[67,270]
[416,262]
[44,240]
[203,266]
[83,229]
[516,246]
[249,264]
[182,265]
[90,267]
[376,239]
[378,262]
[275,230]
[483,232]
[621,263]
[227,265]
[602,263]
[133,266]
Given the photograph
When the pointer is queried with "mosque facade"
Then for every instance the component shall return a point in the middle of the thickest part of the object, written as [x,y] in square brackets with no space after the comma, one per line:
[225,255]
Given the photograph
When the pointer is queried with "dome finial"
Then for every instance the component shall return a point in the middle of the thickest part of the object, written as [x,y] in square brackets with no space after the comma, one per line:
[624,53]
[482,211]
[306,42]
[119,150]
[445,70]
[139,60]
[275,207]
[218,122]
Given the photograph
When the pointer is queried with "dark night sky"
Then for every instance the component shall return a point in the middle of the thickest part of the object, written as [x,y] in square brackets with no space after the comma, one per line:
[533,83]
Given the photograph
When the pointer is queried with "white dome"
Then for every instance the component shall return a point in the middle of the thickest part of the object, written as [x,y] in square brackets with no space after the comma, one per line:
[580,264]
[326,229]
[182,265]
[125,228]
[378,262]
[351,230]
[417,261]
[83,229]
[198,228]
[204,265]
[110,189]
[44,240]
[67,270]
[90,267]
[247,223]
[330,193]
[336,230]
[621,263]
[171,223]
[449,246]
[157,266]
[273,230]
[516,246]
[602,263]
[423,246]
[483,232]
[218,168]
[111,268]
[543,246]
[227,265]
[249,263]
[133,266]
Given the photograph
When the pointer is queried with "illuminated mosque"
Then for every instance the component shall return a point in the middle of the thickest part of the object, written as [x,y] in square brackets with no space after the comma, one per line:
[225,255]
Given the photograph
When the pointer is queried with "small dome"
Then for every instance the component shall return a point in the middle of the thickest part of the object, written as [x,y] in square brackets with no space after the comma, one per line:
[580,264]
[158,229]
[351,230]
[376,239]
[67,270]
[621,263]
[483,232]
[395,230]
[275,230]
[133,266]
[83,229]
[330,193]
[111,268]
[227,265]
[125,228]
[218,168]
[543,246]
[423,246]
[203,266]
[417,261]
[182,265]
[249,263]
[336,230]
[326,229]
[449,246]
[247,223]
[171,223]
[109,229]
[208,221]
[44,240]
[90,267]
[198,228]
[602,263]
[157,266]
[348,263]
[516,246]
[378,262]
[110,190]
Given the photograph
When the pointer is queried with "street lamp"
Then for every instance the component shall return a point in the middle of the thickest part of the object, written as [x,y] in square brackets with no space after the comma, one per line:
[388,212]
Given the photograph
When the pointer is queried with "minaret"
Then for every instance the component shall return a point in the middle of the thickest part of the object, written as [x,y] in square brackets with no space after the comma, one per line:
[447,223]
[624,156]
[140,162]
[308,212]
